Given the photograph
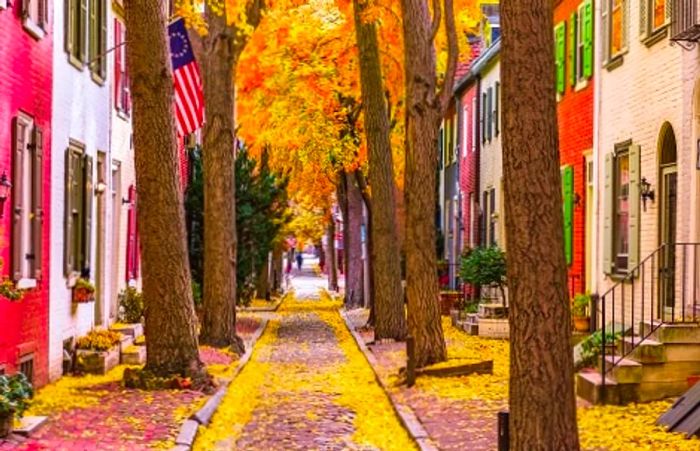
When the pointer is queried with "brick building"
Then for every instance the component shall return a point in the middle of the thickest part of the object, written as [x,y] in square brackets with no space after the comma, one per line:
[25,160]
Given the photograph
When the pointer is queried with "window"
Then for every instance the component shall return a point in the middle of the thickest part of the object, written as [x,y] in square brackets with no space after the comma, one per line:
[26,367]
[621,226]
[654,16]
[483,117]
[132,239]
[489,112]
[35,17]
[27,202]
[78,211]
[614,15]
[582,30]
[76,20]
[122,95]
[466,117]
[98,39]
[496,101]
[475,121]
[471,228]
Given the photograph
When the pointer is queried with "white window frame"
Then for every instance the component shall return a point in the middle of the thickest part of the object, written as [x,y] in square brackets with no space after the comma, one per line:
[32,21]
[27,279]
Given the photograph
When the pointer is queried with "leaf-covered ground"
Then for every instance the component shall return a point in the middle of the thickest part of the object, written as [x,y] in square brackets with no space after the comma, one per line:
[307,386]
[96,413]
[460,412]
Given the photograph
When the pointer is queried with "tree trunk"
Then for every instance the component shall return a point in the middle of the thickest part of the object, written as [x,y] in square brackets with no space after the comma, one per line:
[342,197]
[364,190]
[277,268]
[424,110]
[331,259]
[262,284]
[541,368]
[170,317]
[387,296]
[354,288]
[219,290]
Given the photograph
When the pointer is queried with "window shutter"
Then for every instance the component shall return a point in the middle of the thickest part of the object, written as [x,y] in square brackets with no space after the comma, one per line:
[560,39]
[608,215]
[69,265]
[567,178]
[496,113]
[571,51]
[117,65]
[88,192]
[137,240]
[82,24]
[17,196]
[130,236]
[605,28]
[474,124]
[24,8]
[634,198]
[644,18]
[492,210]
[669,11]
[70,25]
[489,111]
[102,48]
[92,35]
[483,117]
[43,13]
[588,39]
[38,201]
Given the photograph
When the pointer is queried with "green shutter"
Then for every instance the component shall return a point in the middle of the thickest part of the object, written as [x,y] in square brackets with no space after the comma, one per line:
[70,25]
[87,193]
[571,50]
[37,221]
[560,55]
[588,39]
[82,24]
[567,179]
[644,16]
[102,47]
[634,197]
[19,141]
[68,245]
[608,201]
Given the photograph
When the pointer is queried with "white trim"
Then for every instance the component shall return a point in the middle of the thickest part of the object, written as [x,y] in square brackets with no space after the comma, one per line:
[33,29]
[25,284]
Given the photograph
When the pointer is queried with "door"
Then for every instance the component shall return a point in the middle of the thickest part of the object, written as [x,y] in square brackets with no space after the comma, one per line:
[100,192]
[667,265]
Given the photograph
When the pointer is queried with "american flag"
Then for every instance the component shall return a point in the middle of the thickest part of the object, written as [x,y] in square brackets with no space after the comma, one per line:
[189,99]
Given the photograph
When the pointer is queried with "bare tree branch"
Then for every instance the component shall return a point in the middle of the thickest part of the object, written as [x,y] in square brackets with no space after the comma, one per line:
[452,55]
[437,17]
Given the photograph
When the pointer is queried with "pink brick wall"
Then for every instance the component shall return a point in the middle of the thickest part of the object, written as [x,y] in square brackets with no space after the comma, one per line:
[25,85]
[468,164]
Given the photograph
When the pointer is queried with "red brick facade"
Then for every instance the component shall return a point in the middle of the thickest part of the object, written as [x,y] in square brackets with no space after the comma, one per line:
[469,165]
[575,114]
[25,87]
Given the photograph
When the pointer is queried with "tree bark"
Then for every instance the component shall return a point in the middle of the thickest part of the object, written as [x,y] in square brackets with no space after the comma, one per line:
[354,289]
[277,268]
[364,190]
[219,288]
[262,285]
[170,317]
[425,107]
[387,296]
[331,259]
[541,368]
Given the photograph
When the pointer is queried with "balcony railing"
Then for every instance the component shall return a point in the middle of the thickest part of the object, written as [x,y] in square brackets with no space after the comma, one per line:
[685,22]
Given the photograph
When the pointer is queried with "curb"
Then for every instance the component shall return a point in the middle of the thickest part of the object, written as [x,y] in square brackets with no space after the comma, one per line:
[188,430]
[406,415]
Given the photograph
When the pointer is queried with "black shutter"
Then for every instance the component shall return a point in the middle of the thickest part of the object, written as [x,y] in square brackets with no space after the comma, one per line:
[19,128]
[37,201]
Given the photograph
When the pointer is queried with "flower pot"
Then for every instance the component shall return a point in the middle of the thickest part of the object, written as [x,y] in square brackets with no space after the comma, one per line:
[82,295]
[692,380]
[582,323]
[6,422]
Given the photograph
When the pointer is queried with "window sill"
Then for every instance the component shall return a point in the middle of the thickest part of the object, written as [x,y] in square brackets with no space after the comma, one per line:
[581,85]
[97,78]
[25,284]
[615,62]
[75,62]
[33,29]
[656,36]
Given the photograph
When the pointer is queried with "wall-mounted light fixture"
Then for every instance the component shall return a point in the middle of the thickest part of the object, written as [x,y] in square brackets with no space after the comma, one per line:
[100,188]
[5,187]
[645,192]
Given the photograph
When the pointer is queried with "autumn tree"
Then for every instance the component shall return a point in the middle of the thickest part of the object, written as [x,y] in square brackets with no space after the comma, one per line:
[541,366]
[170,319]
[388,305]
[426,104]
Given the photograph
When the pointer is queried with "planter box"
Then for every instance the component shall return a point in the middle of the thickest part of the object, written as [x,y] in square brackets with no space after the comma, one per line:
[97,362]
[497,311]
[134,355]
[134,330]
[493,328]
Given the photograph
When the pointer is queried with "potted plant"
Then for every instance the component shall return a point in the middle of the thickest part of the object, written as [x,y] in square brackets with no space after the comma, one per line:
[15,392]
[83,291]
[579,310]
[98,351]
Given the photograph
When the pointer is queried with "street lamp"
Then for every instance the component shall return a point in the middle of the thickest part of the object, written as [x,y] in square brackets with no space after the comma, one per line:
[646,192]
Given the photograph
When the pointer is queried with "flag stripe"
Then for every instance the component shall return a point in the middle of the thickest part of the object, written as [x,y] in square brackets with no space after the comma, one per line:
[189,96]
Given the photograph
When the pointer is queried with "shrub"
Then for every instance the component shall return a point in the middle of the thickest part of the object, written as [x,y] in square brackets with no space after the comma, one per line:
[484,266]
[99,340]
[130,305]
[591,346]
[15,392]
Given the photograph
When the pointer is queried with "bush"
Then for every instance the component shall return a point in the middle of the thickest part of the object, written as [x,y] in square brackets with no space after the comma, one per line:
[15,392]
[591,346]
[484,266]
[99,340]
[130,305]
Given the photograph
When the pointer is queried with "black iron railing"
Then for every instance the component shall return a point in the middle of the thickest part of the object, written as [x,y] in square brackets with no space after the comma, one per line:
[685,21]
[662,289]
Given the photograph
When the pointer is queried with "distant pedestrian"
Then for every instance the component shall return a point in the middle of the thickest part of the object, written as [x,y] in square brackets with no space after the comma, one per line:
[300,260]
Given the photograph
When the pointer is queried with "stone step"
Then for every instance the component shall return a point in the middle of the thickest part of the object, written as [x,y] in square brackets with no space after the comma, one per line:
[669,372]
[134,330]
[133,355]
[654,391]
[589,386]
[671,333]
[643,351]
[624,371]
